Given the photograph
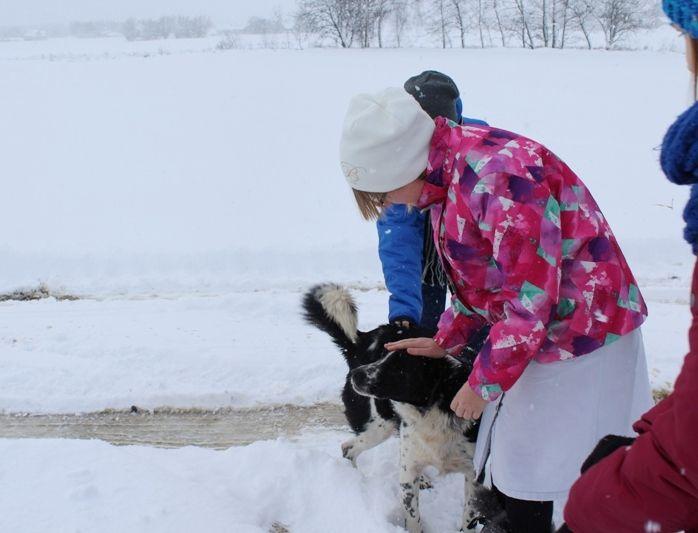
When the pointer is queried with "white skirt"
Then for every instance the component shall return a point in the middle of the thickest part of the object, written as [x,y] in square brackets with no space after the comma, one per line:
[541,430]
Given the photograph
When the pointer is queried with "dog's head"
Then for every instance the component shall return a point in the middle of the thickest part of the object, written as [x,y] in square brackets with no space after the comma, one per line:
[375,372]
[405,378]
[401,377]
[370,345]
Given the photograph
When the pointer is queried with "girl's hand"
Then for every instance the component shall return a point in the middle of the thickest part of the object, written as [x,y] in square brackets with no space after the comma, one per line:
[467,404]
[419,346]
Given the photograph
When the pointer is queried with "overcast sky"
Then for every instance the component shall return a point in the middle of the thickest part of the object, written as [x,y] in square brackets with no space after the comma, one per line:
[223,12]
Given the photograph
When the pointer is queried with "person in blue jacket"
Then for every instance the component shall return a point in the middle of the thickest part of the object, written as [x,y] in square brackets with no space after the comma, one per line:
[411,268]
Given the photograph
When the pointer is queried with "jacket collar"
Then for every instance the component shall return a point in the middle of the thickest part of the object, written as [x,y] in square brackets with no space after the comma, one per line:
[436,182]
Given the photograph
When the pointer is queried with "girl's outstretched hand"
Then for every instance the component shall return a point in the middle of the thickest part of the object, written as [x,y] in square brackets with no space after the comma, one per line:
[467,404]
[419,346]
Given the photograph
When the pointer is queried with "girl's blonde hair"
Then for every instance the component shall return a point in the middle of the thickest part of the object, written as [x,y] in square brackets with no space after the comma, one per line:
[371,203]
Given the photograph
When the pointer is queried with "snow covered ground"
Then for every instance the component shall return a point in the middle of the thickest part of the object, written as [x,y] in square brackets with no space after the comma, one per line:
[188,197]
[239,350]
[303,485]
[191,197]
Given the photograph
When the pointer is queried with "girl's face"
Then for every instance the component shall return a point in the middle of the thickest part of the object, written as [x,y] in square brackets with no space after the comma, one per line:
[407,194]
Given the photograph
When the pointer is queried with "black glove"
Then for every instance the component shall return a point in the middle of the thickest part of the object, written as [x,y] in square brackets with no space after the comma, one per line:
[605,447]
[564,529]
[402,322]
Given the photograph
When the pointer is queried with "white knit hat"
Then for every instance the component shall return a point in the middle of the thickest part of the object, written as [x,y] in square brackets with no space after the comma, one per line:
[385,140]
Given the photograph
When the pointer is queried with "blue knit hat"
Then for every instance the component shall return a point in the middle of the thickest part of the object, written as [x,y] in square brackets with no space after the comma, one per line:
[683,13]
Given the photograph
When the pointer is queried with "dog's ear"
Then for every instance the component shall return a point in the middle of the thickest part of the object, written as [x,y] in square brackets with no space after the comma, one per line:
[370,344]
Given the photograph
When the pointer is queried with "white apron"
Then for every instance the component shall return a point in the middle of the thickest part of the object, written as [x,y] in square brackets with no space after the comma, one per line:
[541,430]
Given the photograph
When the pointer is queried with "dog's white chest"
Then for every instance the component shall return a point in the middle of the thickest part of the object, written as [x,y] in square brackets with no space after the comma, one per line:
[432,439]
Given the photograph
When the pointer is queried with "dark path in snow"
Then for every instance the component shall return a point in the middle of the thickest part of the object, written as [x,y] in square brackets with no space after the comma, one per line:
[173,428]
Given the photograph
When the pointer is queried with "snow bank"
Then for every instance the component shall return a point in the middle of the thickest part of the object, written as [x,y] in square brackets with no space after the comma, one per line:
[68,485]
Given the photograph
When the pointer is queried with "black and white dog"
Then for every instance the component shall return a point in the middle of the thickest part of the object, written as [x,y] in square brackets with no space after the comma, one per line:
[385,391]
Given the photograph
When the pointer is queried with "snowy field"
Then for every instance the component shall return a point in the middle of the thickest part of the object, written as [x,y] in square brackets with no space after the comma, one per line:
[190,198]
[303,485]
[187,197]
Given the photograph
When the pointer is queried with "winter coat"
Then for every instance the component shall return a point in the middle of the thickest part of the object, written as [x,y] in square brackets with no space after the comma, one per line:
[653,484]
[400,248]
[400,243]
[527,250]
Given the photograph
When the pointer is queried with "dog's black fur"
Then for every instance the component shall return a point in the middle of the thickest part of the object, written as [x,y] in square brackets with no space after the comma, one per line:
[364,348]
[423,382]
[389,390]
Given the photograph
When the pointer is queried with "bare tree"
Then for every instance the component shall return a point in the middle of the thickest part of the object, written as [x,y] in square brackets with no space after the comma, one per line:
[549,23]
[367,14]
[582,12]
[381,11]
[440,20]
[481,22]
[500,26]
[554,14]
[523,25]
[544,23]
[399,11]
[559,16]
[617,18]
[459,10]
[335,19]
[301,29]
[565,21]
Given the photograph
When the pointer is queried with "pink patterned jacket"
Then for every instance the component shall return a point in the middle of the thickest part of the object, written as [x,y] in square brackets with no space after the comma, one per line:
[526,250]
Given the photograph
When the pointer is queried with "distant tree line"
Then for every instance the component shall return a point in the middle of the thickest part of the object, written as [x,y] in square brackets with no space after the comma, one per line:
[132,29]
[397,23]
[461,23]
[166,27]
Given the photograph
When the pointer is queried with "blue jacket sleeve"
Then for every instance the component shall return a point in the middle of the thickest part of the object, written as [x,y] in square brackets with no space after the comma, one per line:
[476,121]
[400,247]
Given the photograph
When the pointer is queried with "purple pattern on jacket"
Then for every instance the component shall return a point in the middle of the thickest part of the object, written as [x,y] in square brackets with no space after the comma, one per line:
[527,250]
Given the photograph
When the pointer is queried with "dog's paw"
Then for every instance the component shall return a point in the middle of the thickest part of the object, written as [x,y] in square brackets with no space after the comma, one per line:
[424,483]
[481,524]
[350,451]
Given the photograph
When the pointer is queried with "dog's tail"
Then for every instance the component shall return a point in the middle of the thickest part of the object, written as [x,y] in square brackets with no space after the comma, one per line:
[331,308]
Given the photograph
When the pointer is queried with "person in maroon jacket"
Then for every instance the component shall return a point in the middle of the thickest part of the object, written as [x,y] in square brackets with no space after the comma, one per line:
[650,484]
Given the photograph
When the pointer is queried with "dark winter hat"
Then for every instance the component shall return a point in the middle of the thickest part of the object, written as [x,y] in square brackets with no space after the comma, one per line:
[436,93]
[683,13]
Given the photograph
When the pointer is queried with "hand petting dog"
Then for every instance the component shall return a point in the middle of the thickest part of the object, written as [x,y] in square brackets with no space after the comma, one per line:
[466,404]
[423,346]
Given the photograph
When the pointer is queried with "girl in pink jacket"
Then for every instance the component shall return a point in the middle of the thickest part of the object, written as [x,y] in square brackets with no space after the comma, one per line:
[527,251]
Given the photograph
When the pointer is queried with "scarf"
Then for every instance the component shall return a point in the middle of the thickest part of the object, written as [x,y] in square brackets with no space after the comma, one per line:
[679,161]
